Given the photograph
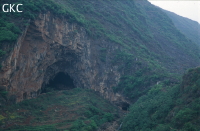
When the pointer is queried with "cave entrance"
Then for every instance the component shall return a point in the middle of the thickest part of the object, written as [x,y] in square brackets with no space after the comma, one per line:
[62,81]
[125,106]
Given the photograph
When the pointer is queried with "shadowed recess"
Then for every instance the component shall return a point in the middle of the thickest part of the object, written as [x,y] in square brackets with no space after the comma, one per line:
[62,81]
[125,106]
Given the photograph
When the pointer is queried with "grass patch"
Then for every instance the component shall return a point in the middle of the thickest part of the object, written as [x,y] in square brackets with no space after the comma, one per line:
[76,109]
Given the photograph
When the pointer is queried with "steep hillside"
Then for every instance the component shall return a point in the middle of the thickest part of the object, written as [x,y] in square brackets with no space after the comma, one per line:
[94,42]
[189,28]
[74,110]
[141,28]
[127,51]
[168,108]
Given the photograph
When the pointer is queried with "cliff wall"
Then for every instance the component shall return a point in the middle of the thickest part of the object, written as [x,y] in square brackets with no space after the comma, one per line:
[50,45]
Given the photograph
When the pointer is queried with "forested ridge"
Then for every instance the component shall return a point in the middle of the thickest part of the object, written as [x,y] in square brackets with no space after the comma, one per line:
[188,27]
[152,57]
[168,108]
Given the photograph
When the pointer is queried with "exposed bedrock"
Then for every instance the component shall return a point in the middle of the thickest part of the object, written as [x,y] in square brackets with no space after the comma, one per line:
[50,45]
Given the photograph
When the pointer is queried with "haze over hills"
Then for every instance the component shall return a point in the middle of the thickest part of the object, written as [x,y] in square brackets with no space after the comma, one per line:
[188,27]
[129,52]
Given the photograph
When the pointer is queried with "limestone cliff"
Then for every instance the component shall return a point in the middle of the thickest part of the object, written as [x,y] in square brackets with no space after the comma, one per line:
[95,44]
[50,45]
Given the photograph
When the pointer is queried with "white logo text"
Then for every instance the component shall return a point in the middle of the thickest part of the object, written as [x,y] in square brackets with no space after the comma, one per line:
[11,8]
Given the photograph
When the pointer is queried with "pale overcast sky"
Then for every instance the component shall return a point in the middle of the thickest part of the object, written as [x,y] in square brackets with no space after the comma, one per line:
[189,9]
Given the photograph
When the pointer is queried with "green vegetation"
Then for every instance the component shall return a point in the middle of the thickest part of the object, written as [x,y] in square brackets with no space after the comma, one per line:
[148,50]
[167,108]
[3,94]
[139,81]
[188,27]
[74,110]
[8,31]
[125,23]
[136,85]
[12,23]
[103,52]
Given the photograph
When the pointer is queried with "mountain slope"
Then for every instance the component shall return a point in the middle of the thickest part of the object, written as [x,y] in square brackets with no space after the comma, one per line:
[134,38]
[74,110]
[167,108]
[135,26]
[189,28]
[129,24]
[125,50]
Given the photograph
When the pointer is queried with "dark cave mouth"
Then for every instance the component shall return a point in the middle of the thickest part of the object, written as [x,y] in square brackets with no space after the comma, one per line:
[125,106]
[61,81]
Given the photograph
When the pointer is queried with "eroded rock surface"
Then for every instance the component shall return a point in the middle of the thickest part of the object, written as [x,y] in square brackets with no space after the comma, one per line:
[51,45]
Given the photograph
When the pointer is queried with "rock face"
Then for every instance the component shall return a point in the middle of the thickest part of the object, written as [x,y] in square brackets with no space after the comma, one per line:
[50,45]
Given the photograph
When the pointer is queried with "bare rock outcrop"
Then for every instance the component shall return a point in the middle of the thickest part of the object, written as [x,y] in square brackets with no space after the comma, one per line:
[50,45]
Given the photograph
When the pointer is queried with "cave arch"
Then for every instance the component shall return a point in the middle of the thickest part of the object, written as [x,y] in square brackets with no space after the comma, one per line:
[61,81]
[125,106]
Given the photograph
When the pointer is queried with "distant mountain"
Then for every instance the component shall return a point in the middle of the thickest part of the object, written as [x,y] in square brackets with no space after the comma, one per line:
[188,27]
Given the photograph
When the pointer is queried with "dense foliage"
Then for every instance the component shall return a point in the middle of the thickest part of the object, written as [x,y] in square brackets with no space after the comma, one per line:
[187,26]
[12,23]
[168,108]
[136,85]
[123,22]
[151,46]
[74,110]
[150,49]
